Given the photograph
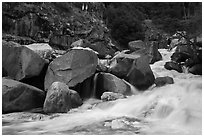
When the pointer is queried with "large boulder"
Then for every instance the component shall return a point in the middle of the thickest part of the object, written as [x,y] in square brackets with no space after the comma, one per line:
[120,67]
[184,53]
[110,96]
[154,53]
[161,81]
[86,89]
[19,62]
[185,49]
[121,63]
[196,69]
[107,82]
[17,96]
[58,98]
[75,99]
[37,81]
[140,75]
[71,68]
[10,44]
[136,45]
[190,56]
[173,66]
[42,49]
[180,57]
[151,50]
[103,48]
[134,68]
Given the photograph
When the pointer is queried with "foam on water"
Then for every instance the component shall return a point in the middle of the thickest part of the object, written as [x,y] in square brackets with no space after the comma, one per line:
[171,109]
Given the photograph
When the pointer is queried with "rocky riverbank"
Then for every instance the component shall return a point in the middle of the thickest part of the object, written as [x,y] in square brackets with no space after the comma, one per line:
[54,64]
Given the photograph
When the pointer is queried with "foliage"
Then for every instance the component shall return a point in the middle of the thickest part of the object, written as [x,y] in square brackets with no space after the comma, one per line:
[179,16]
[125,22]
[125,19]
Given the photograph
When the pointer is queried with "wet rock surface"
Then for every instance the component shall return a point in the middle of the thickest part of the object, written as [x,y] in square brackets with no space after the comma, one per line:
[186,56]
[58,98]
[76,100]
[17,96]
[141,75]
[72,68]
[64,73]
[173,66]
[154,53]
[107,82]
[20,62]
[109,96]
[42,49]
[161,81]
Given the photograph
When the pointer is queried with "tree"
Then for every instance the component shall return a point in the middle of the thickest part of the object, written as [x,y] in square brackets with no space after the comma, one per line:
[125,22]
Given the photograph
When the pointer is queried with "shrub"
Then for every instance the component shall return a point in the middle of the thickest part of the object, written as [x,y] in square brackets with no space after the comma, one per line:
[125,23]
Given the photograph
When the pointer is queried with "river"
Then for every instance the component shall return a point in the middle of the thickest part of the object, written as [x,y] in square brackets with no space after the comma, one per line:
[171,109]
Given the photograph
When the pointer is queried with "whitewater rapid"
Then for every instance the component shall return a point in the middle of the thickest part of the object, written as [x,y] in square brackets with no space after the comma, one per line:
[171,109]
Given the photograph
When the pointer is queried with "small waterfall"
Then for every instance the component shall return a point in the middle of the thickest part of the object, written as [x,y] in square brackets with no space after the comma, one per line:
[185,69]
[171,109]
[94,85]
[133,90]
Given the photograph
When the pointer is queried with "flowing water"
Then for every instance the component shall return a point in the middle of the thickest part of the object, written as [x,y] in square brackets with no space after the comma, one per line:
[171,109]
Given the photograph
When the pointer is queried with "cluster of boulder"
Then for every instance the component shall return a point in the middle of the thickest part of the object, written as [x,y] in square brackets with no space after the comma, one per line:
[187,58]
[37,76]
[56,65]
